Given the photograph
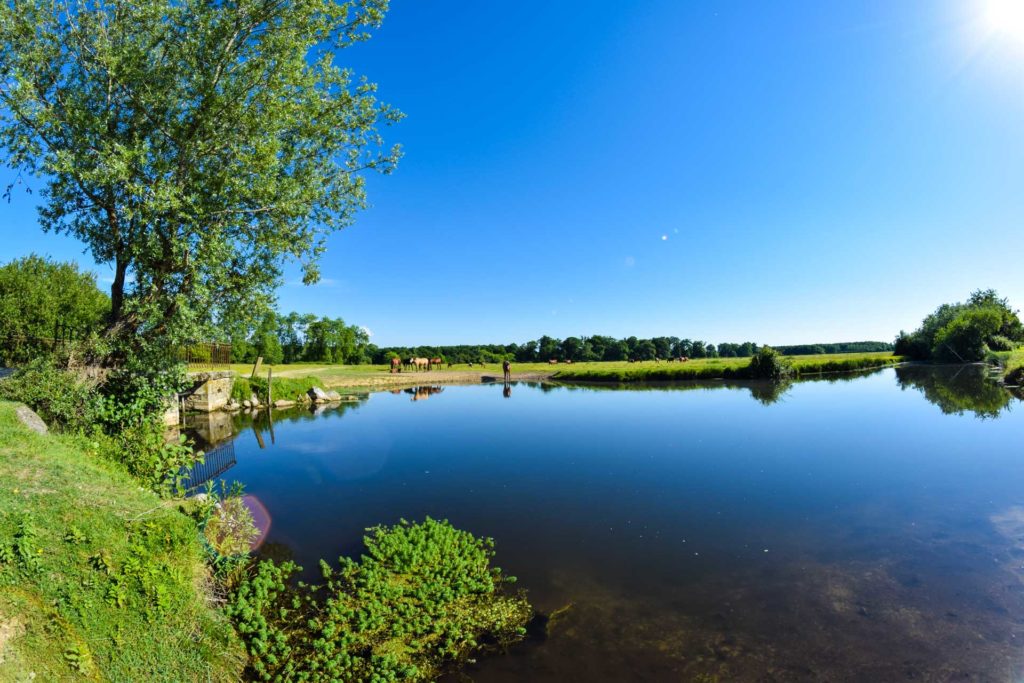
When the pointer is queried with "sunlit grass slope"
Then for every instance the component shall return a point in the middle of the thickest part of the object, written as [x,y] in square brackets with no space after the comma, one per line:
[99,578]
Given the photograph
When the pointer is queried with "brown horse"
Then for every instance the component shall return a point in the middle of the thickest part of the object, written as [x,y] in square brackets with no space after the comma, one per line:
[396,365]
[435,361]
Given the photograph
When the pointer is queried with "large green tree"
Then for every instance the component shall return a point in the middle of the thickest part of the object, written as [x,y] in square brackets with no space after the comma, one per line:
[193,146]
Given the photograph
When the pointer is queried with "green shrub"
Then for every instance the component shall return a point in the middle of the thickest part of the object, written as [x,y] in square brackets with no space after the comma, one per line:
[768,363]
[287,388]
[241,390]
[230,529]
[1000,343]
[422,599]
[64,400]
[120,418]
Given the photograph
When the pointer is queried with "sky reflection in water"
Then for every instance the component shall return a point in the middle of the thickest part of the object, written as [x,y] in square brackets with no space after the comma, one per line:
[864,529]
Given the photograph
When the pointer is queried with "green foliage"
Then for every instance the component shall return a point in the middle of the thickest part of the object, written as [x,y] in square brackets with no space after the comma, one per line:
[105,580]
[769,364]
[964,332]
[718,368]
[241,390]
[603,348]
[423,598]
[39,298]
[62,398]
[120,417]
[1013,368]
[966,336]
[193,146]
[230,529]
[288,388]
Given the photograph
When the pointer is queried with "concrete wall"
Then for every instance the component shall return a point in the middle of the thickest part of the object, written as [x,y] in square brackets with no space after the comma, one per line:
[210,392]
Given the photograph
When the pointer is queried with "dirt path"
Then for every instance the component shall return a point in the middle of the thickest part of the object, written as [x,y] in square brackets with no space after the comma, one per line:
[412,379]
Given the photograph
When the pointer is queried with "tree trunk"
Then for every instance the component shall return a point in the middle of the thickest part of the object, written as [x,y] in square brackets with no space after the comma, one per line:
[117,292]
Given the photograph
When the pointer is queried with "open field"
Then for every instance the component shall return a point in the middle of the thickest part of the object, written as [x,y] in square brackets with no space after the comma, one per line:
[99,578]
[701,368]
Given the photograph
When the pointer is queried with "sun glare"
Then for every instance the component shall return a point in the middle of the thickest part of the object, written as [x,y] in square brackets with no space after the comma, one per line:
[1006,17]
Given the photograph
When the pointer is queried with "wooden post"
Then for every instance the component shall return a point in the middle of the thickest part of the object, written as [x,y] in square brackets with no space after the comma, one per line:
[270,395]
[256,367]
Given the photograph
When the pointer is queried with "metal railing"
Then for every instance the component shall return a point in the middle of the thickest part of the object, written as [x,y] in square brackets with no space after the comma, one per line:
[206,356]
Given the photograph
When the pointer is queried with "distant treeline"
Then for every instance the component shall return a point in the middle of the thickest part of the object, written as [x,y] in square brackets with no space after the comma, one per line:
[842,347]
[602,348]
[295,337]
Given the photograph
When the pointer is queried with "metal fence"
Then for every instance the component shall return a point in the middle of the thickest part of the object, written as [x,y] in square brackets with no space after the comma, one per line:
[216,461]
[206,355]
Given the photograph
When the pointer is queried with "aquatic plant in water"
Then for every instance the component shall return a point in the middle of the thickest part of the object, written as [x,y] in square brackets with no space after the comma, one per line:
[422,599]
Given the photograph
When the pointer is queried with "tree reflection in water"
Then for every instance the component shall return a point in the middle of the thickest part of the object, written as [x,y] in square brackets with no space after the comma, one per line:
[957,389]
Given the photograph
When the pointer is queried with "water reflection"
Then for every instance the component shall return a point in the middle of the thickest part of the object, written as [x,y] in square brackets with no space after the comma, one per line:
[763,391]
[423,393]
[692,533]
[214,434]
[957,390]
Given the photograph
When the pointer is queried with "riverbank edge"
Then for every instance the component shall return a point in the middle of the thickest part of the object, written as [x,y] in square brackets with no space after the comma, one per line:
[70,604]
[569,379]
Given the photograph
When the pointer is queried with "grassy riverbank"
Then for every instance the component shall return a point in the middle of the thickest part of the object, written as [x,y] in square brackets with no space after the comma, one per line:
[1013,366]
[719,368]
[700,368]
[99,578]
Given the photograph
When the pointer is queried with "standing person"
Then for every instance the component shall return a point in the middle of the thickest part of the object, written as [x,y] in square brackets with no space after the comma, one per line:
[507,367]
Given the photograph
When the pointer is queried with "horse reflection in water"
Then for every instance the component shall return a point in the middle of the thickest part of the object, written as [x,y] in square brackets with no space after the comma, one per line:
[423,393]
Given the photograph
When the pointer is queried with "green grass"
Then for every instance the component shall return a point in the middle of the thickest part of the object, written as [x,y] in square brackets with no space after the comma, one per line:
[1013,367]
[99,578]
[717,368]
[615,371]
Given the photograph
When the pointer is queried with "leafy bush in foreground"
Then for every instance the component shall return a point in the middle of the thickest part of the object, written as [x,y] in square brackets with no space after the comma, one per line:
[120,416]
[63,399]
[423,598]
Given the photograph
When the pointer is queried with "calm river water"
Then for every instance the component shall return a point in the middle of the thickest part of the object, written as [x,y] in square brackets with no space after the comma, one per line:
[868,529]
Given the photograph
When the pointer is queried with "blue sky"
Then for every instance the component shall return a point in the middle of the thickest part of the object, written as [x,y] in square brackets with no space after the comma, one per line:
[776,172]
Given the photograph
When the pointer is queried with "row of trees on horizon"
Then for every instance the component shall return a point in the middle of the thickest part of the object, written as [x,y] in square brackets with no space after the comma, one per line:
[38,294]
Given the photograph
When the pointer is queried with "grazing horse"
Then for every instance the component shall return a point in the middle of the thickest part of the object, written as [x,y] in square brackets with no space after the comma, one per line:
[435,361]
[421,363]
[553,361]
[569,361]
[396,365]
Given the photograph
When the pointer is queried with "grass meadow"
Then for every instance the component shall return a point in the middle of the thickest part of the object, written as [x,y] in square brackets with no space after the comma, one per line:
[601,371]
